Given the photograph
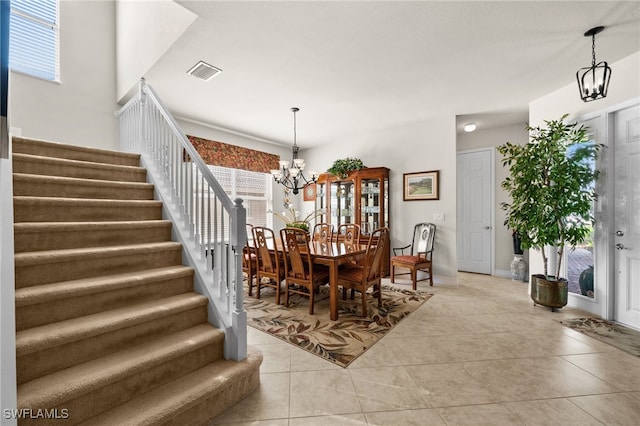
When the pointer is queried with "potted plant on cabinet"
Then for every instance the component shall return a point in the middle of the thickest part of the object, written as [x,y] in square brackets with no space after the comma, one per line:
[342,167]
[551,185]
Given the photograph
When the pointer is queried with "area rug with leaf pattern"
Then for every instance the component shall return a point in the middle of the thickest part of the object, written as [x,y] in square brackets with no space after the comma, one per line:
[341,341]
[609,332]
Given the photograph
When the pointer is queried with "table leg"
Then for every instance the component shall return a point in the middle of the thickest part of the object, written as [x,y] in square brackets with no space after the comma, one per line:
[333,290]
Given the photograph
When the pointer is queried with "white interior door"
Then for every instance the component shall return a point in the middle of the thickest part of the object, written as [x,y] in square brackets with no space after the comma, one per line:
[474,211]
[627,216]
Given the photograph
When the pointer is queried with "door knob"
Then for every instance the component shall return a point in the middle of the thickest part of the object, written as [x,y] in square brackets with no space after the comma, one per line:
[621,247]
[619,234]
[487,227]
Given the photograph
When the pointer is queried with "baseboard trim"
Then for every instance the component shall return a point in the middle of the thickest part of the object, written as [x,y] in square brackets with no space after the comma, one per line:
[503,273]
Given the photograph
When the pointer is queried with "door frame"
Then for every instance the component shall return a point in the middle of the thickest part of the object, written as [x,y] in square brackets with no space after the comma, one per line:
[492,202]
[603,304]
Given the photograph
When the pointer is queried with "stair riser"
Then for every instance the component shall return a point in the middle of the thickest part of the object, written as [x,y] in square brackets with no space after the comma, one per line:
[85,265]
[53,211]
[47,361]
[71,152]
[187,400]
[118,392]
[78,237]
[85,190]
[203,412]
[84,171]
[73,307]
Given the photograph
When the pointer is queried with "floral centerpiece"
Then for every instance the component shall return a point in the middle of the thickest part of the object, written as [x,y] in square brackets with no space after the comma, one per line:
[291,218]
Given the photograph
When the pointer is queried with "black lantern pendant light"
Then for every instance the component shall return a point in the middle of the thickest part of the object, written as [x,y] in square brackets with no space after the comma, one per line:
[593,81]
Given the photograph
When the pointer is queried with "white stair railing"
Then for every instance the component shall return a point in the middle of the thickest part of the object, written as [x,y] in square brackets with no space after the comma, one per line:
[206,221]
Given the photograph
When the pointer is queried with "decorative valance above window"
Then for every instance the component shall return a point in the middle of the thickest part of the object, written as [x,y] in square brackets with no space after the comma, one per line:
[235,157]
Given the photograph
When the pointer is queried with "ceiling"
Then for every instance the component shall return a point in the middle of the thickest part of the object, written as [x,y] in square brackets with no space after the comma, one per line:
[357,68]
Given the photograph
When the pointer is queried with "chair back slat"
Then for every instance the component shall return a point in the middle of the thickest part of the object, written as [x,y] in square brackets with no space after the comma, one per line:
[297,254]
[322,232]
[375,251]
[349,235]
[266,263]
[423,237]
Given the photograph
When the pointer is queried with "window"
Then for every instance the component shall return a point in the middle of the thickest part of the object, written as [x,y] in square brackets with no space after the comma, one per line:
[579,262]
[33,38]
[253,187]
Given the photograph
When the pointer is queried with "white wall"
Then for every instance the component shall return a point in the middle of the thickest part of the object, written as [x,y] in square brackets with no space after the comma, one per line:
[493,137]
[79,109]
[8,397]
[415,147]
[624,87]
[144,32]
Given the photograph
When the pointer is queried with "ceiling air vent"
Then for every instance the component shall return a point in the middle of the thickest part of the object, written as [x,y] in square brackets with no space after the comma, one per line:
[204,71]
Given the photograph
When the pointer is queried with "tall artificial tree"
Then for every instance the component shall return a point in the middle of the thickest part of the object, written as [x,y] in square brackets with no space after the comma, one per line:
[551,183]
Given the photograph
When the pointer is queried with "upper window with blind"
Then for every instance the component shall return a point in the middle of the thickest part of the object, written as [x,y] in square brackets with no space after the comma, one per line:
[33,38]
[253,187]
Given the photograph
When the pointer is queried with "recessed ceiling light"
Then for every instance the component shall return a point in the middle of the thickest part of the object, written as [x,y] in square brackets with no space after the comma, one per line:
[204,71]
[469,127]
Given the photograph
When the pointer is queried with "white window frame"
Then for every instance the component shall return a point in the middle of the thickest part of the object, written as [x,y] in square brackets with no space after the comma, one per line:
[17,60]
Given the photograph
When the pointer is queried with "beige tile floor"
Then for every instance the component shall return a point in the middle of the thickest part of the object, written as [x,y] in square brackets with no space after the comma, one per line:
[477,353]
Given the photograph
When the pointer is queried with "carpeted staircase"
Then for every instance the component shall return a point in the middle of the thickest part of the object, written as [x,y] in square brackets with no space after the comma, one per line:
[109,329]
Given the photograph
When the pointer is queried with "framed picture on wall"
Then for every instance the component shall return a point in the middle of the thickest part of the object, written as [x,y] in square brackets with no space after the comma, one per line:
[309,192]
[421,186]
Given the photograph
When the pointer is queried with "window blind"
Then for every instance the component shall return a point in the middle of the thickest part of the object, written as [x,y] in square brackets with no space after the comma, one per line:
[33,38]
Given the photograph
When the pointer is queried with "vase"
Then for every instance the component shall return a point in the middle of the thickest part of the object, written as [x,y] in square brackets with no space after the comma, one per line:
[518,268]
[586,282]
[550,293]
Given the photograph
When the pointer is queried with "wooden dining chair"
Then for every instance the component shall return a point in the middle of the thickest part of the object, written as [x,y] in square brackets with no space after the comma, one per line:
[249,259]
[349,235]
[369,273]
[323,233]
[269,264]
[420,256]
[301,275]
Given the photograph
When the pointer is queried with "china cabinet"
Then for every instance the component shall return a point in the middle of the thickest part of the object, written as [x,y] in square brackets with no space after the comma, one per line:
[362,198]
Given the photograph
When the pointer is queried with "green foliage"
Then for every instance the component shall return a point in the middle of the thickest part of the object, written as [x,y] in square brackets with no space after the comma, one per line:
[342,167]
[551,185]
[301,225]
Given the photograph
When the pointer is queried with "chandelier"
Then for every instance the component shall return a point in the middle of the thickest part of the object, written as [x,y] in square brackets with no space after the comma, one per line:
[291,175]
[593,81]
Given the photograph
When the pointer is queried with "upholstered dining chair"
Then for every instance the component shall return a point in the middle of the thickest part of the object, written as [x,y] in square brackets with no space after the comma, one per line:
[369,272]
[420,256]
[249,259]
[349,235]
[301,275]
[322,232]
[270,266]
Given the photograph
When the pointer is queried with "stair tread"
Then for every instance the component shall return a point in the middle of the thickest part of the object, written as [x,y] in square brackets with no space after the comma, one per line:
[63,385]
[75,226]
[51,256]
[83,201]
[181,394]
[77,163]
[66,180]
[71,330]
[61,290]
[18,142]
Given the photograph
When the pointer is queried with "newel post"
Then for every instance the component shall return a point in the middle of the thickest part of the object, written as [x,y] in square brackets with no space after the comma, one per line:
[238,241]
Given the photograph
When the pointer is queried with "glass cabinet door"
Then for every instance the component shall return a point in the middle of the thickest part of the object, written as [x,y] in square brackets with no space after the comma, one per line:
[385,200]
[341,203]
[370,206]
[321,202]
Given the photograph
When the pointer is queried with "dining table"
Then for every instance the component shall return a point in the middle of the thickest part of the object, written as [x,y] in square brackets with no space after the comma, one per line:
[331,255]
